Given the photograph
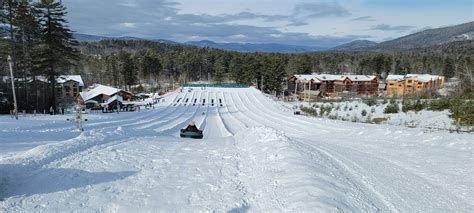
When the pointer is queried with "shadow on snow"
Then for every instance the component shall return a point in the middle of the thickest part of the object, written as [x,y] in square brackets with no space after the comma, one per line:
[18,180]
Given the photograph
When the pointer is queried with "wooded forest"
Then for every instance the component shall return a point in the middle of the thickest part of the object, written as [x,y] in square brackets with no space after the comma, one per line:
[152,62]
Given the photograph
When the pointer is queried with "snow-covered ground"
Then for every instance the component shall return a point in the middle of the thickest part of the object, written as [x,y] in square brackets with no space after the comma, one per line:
[352,111]
[255,156]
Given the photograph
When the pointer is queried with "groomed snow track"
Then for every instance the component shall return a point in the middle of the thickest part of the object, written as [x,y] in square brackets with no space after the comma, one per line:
[255,156]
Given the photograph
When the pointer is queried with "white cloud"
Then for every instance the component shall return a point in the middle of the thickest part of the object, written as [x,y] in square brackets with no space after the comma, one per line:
[129,24]
[288,21]
[238,36]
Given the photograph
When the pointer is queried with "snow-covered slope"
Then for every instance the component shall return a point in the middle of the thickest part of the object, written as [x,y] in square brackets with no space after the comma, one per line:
[254,157]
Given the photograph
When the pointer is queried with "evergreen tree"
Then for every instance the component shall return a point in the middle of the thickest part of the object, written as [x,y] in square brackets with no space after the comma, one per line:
[449,68]
[235,68]
[150,65]
[112,70]
[27,33]
[58,48]
[7,15]
[248,68]
[128,69]
[378,64]
[299,64]
[275,74]
[221,69]
[387,65]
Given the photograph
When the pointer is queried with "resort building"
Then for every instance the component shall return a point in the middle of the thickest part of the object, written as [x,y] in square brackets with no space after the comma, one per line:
[327,85]
[413,84]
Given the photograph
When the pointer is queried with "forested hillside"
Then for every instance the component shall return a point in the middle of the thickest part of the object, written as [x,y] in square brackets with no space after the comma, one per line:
[104,61]
[428,38]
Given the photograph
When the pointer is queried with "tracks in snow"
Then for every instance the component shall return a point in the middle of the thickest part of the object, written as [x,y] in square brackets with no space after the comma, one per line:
[334,176]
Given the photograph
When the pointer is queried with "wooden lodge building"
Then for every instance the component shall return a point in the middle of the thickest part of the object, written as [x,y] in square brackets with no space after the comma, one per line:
[413,84]
[327,85]
[34,93]
[100,96]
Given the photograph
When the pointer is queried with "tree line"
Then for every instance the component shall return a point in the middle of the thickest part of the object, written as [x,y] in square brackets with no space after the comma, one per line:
[156,62]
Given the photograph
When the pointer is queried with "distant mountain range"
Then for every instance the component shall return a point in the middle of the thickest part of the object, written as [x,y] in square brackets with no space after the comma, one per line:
[241,47]
[92,38]
[354,46]
[249,47]
[424,39]
[428,38]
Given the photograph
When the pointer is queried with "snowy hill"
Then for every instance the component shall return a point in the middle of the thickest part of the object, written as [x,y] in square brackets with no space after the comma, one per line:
[428,38]
[255,153]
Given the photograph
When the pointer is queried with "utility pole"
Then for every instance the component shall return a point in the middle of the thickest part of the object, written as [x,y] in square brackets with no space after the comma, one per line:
[15,109]
[117,95]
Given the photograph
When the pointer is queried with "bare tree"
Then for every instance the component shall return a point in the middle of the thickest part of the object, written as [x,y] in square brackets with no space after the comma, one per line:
[466,76]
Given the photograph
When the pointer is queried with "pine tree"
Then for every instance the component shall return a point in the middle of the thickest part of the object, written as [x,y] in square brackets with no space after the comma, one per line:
[7,14]
[235,68]
[220,68]
[449,68]
[27,33]
[299,64]
[58,50]
[112,70]
[150,65]
[387,65]
[275,74]
[128,69]
[378,64]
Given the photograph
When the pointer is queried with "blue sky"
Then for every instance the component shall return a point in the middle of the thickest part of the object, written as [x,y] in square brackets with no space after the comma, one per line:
[299,22]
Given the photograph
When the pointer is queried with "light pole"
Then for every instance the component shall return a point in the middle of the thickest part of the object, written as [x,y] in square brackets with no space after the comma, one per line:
[15,109]
[118,100]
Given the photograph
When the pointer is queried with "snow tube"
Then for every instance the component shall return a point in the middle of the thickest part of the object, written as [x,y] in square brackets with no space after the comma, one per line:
[191,134]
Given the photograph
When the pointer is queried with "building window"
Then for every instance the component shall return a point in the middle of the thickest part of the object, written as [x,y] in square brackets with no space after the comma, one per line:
[409,81]
[392,84]
[67,88]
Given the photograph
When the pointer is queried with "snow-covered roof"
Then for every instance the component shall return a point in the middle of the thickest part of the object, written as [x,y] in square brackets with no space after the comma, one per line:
[307,78]
[420,77]
[65,78]
[361,77]
[112,99]
[98,90]
[395,77]
[330,77]
[62,79]
[424,77]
